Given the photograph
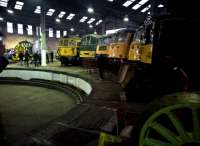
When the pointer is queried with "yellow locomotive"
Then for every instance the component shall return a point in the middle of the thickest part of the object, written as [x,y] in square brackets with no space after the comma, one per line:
[68,50]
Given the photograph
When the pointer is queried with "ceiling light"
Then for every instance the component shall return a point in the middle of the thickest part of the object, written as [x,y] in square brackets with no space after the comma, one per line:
[90,10]
[50,12]
[10,11]
[91,20]
[4,3]
[100,21]
[72,29]
[38,10]
[110,0]
[136,6]
[70,16]
[61,14]
[19,5]
[90,26]
[83,19]
[160,6]
[126,19]
[57,20]
[149,13]
[146,9]
[142,2]
[1,18]
[128,3]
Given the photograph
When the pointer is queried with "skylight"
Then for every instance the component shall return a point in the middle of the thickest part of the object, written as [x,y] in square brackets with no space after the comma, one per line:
[128,3]
[98,22]
[61,14]
[19,5]
[50,12]
[70,16]
[91,20]
[4,3]
[146,9]
[83,19]
[37,10]
[137,6]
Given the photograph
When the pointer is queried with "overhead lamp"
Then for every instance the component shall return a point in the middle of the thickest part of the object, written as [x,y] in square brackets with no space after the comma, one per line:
[71,29]
[1,18]
[126,19]
[160,6]
[90,26]
[10,11]
[128,3]
[91,20]
[90,10]
[110,0]
[57,20]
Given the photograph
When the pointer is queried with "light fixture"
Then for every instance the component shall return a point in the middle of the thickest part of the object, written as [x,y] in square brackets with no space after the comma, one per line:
[57,20]
[83,19]
[1,18]
[71,29]
[126,19]
[146,9]
[19,5]
[70,16]
[128,3]
[50,12]
[91,20]
[10,11]
[110,0]
[4,3]
[90,10]
[149,13]
[38,10]
[160,6]
[90,26]
[138,5]
[61,14]
[98,22]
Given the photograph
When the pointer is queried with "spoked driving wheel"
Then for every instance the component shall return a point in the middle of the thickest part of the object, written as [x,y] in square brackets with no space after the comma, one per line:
[174,121]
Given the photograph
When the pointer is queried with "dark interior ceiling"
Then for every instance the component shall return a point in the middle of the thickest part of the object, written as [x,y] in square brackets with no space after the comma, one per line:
[103,9]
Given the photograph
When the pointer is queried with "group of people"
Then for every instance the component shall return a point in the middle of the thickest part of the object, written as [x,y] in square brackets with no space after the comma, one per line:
[35,58]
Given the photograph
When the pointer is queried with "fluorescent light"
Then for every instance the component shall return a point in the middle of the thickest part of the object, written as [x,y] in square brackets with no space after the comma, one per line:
[160,6]
[100,21]
[61,14]
[110,0]
[50,12]
[90,26]
[72,29]
[83,19]
[142,2]
[90,10]
[38,10]
[57,20]
[10,11]
[128,3]
[4,3]
[1,18]
[70,16]
[146,9]
[19,5]
[91,20]
[136,6]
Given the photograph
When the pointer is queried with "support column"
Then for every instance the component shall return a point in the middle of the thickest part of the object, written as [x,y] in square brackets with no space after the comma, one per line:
[43,37]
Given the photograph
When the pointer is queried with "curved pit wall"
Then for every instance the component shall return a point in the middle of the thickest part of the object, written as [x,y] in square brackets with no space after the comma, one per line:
[51,76]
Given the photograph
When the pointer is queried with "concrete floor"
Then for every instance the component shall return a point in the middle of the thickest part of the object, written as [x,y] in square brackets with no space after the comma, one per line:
[24,108]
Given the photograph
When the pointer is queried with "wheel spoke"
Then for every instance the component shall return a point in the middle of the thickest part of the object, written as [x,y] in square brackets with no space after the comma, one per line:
[196,126]
[169,135]
[177,124]
[154,142]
